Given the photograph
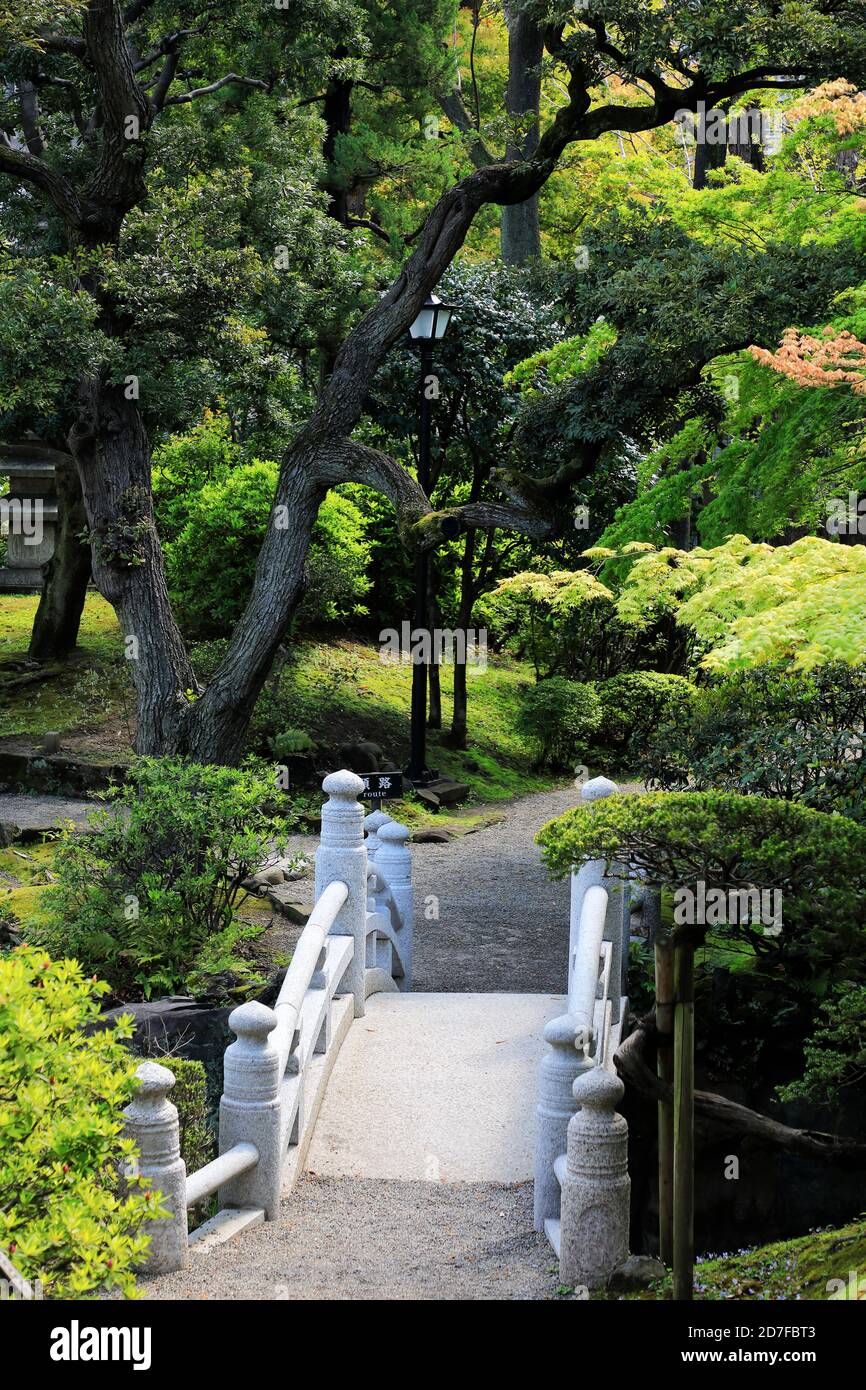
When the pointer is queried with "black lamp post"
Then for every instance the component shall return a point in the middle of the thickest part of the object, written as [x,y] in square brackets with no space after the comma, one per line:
[429,327]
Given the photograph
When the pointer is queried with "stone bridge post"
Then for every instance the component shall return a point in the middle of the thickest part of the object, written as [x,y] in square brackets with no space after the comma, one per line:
[151,1120]
[342,857]
[596,1186]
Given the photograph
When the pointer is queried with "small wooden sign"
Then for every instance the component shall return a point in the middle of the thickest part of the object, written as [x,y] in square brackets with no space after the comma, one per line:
[382,786]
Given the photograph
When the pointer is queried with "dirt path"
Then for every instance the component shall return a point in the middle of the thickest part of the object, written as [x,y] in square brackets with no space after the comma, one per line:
[503,924]
[354,1238]
[44,812]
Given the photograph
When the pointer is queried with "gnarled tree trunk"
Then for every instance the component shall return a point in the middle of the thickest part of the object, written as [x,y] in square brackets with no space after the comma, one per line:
[66,575]
[112,455]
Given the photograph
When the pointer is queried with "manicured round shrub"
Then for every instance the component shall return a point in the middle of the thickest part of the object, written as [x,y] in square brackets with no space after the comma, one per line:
[69,1218]
[726,841]
[634,704]
[560,717]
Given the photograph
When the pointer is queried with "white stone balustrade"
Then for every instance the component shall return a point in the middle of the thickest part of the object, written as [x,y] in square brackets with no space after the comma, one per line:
[263,1111]
[342,857]
[581,1144]
[393,895]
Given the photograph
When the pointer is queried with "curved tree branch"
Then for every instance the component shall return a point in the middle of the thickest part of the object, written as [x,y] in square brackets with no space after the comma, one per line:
[231,77]
[717,1113]
[59,191]
[421,526]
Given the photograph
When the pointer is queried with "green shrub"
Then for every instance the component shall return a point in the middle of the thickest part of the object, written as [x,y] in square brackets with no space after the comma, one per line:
[189,1095]
[560,718]
[773,731]
[67,1218]
[635,703]
[149,899]
[291,742]
[211,560]
[183,464]
[835,1054]
[727,841]
[565,623]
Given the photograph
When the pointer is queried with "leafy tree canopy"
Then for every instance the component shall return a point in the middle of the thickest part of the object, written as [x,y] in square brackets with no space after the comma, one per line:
[748,603]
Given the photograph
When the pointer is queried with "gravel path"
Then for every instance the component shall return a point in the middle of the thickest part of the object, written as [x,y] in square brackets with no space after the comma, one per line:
[43,812]
[503,924]
[353,1238]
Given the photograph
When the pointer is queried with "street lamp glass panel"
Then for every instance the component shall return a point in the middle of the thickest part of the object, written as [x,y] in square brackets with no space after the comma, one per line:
[443,318]
[432,321]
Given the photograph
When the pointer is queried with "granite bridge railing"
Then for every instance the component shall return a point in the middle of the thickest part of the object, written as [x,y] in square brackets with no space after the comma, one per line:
[582,1186]
[356,942]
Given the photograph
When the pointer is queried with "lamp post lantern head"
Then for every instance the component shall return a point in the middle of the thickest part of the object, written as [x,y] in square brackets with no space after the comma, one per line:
[432,321]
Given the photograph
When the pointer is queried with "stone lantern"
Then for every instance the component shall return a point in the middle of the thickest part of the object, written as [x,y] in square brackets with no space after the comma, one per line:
[28,513]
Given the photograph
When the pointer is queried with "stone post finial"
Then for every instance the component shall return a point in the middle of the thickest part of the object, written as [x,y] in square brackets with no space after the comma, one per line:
[151,1120]
[252,1023]
[394,859]
[596,1186]
[342,813]
[599,1092]
[373,824]
[250,1108]
[342,858]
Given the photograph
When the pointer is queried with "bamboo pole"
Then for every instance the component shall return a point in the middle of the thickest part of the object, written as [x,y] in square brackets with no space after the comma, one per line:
[684,1119]
[664,962]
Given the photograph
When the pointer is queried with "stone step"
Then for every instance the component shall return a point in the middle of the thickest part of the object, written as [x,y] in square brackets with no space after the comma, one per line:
[227,1223]
[448,791]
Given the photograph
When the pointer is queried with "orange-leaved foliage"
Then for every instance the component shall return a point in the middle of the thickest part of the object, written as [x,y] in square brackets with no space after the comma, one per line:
[839,99]
[834,358]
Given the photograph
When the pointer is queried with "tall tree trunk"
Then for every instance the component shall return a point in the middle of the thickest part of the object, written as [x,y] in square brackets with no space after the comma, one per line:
[707,158]
[459,717]
[744,138]
[112,456]
[520,237]
[66,576]
[337,115]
